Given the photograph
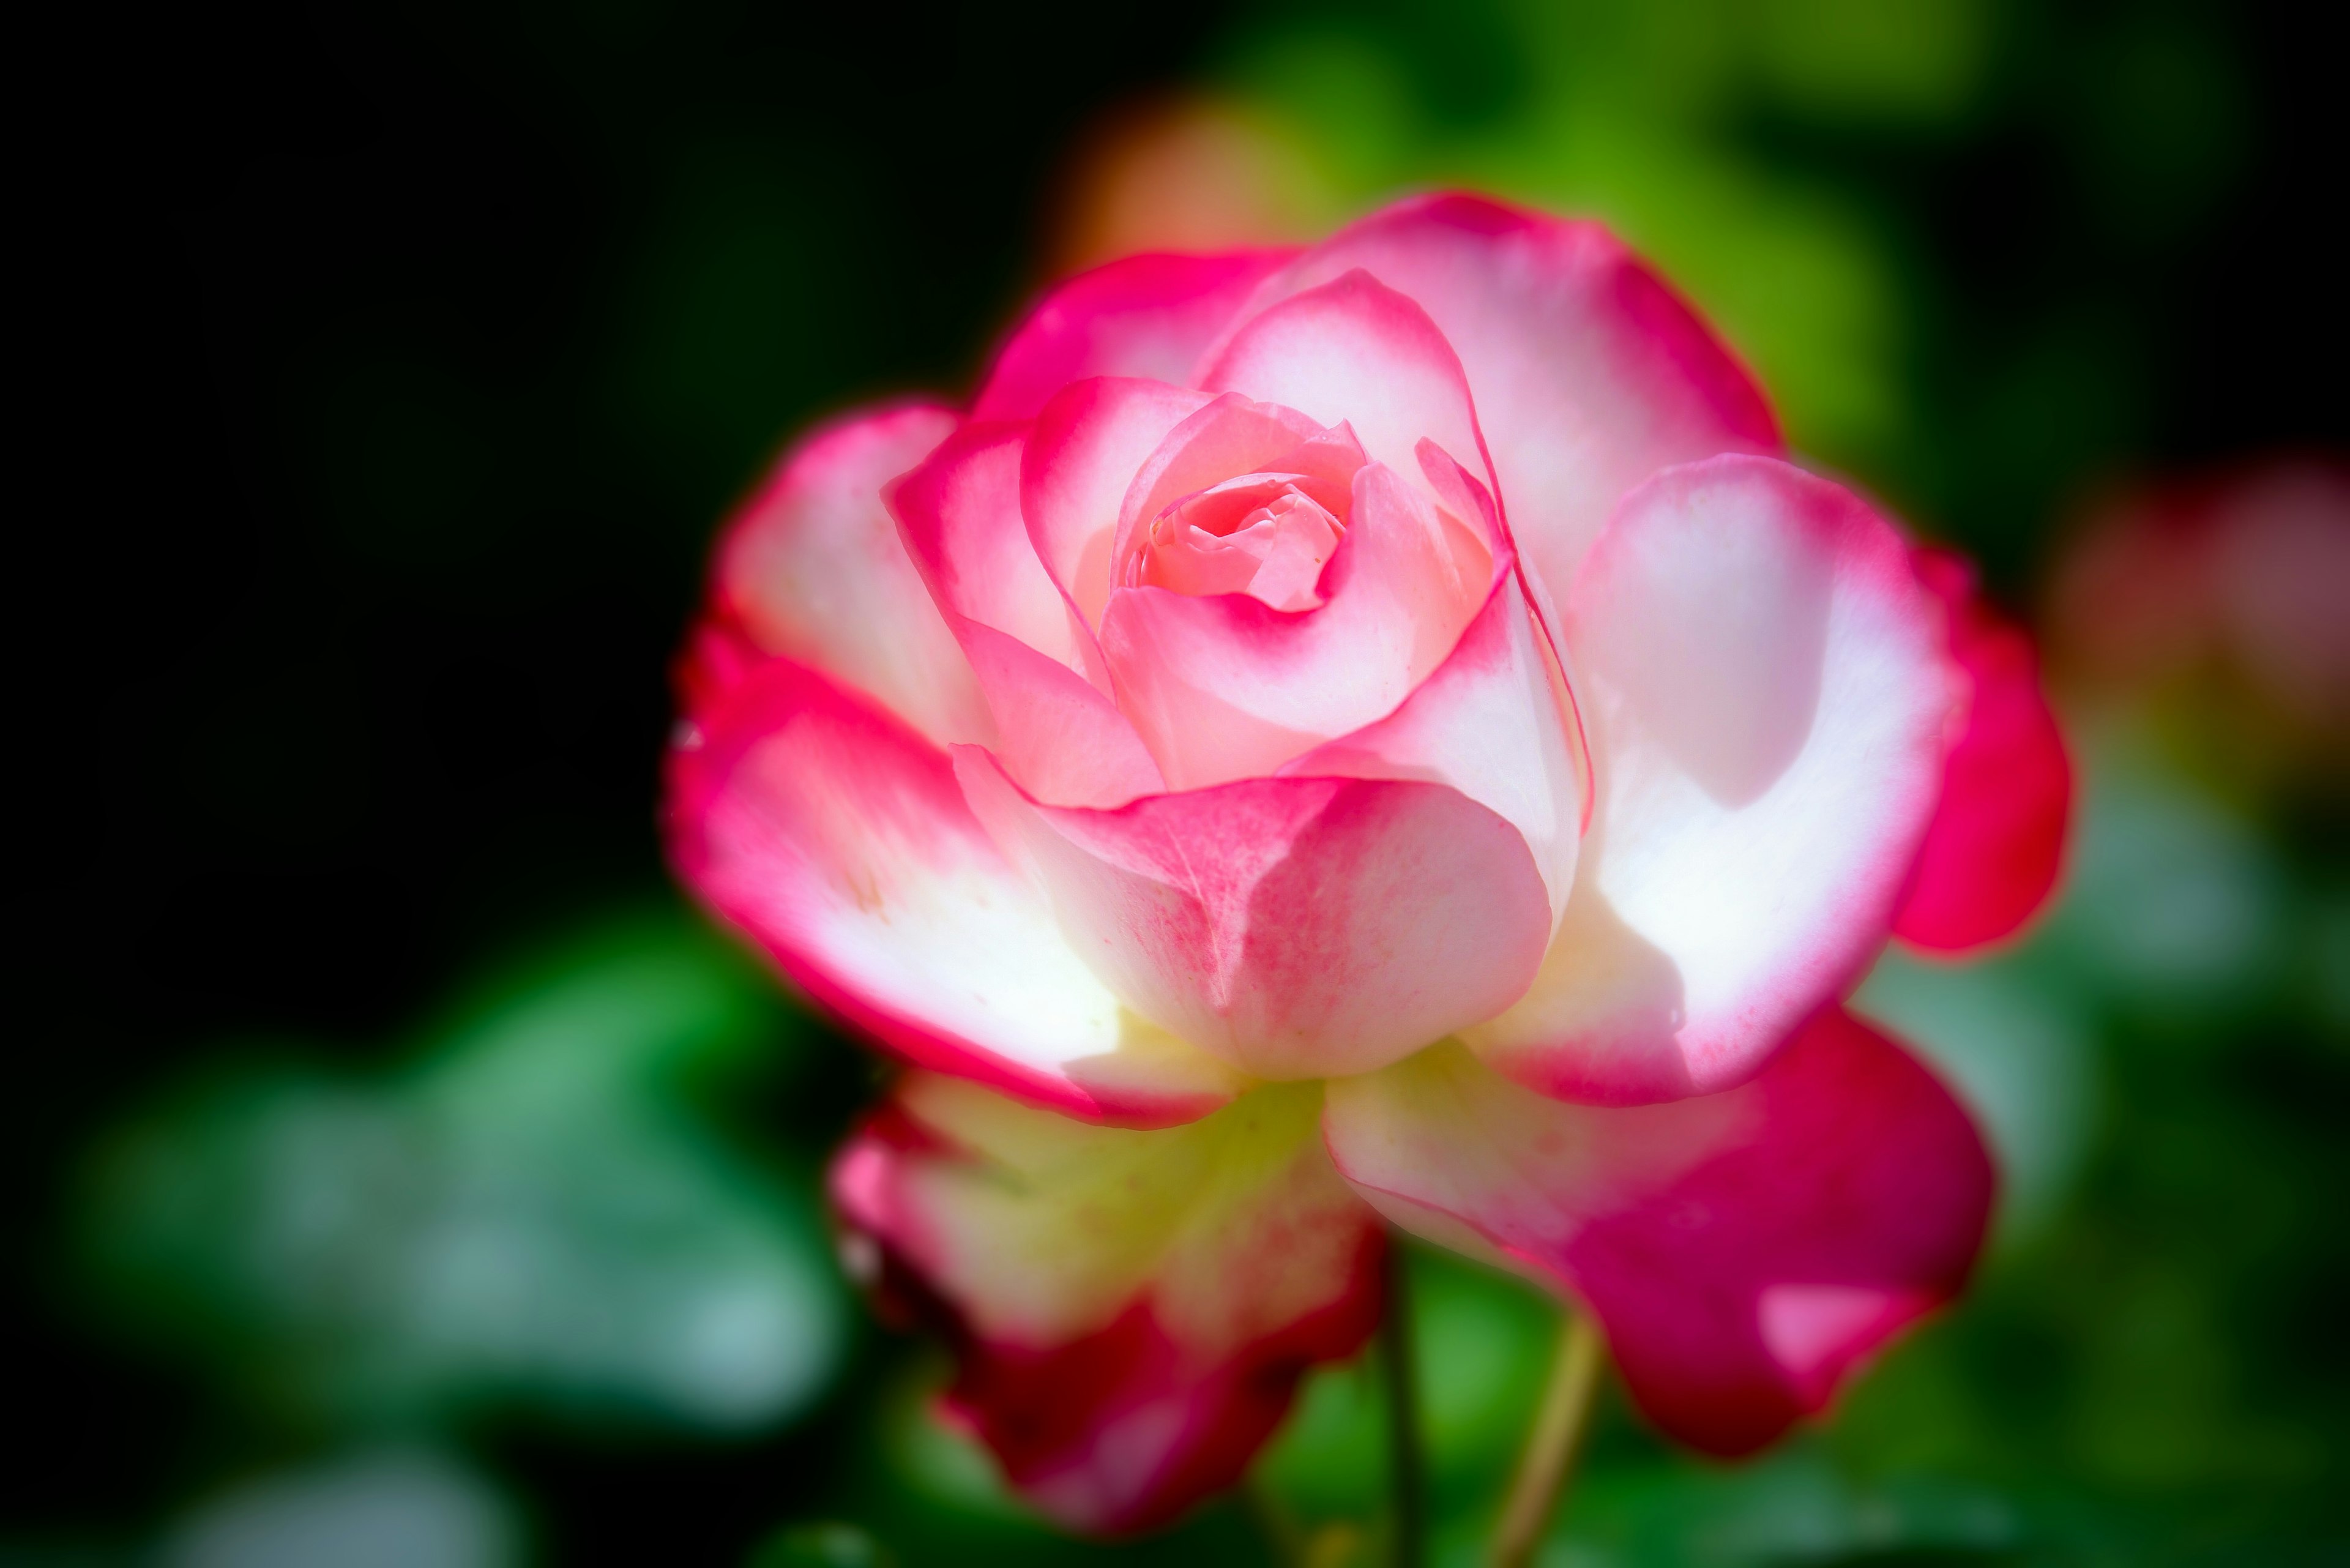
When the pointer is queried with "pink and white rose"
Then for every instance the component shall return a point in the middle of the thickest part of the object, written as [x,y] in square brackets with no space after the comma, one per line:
[1373,731]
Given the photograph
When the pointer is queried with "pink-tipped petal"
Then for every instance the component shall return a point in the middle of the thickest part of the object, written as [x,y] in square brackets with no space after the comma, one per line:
[1294,928]
[1494,721]
[960,514]
[1147,315]
[1744,1252]
[1130,1310]
[1088,443]
[718,653]
[1354,351]
[1060,737]
[1226,687]
[812,568]
[838,839]
[1763,683]
[1497,720]
[1589,373]
[1035,661]
[1997,840]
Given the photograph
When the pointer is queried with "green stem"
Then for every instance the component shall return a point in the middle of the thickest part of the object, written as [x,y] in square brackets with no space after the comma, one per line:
[1407,1466]
[1552,1443]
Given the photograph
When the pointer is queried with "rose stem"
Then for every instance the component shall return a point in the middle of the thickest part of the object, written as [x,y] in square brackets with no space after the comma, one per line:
[1560,1424]
[1406,1468]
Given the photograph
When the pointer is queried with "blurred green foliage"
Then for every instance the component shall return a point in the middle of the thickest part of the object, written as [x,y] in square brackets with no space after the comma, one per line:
[549,1205]
[533,1209]
[385,1508]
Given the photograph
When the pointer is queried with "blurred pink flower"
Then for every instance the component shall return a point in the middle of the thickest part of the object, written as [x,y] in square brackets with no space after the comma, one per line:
[1372,730]
[2247,572]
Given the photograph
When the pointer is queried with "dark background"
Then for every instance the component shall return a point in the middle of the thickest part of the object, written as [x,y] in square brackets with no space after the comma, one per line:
[382,373]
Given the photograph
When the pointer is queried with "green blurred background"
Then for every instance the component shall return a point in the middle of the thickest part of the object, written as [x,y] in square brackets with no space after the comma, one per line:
[392,1157]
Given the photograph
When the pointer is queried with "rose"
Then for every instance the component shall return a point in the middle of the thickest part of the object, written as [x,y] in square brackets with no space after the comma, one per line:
[1373,730]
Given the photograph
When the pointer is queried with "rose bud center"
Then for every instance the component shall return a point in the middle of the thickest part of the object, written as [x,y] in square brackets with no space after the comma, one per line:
[1264,534]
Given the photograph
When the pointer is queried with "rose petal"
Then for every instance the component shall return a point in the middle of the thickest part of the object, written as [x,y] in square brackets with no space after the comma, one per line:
[1356,352]
[1088,443]
[1494,721]
[1259,535]
[960,514]
[718,655]
[1146,316]
[1131,1311]
[1225,439]
[1294,928]
[1590,374]
[1763,686]
[1226,687]
[1036,662]
[838,839]
[1744,1250]
[812,566]
[1991,854]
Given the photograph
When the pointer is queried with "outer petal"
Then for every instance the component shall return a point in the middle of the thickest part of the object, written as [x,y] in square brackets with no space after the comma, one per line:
[1766,696]
[1131,1310]
[1590,374]
[1224,686]
[1743,1250]
[812,566]
[1997,839]
[1294,928]
[838,839]
[1147,315]
[1035,660]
